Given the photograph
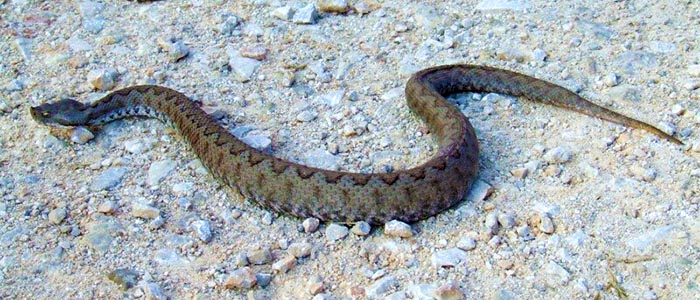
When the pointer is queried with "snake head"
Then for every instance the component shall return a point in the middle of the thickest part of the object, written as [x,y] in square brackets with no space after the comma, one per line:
[66,112]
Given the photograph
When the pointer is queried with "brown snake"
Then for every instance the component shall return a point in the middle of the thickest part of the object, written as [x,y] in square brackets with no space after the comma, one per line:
[408,195]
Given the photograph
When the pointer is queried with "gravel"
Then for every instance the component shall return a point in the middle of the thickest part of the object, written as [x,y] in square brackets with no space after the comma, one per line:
[586,196]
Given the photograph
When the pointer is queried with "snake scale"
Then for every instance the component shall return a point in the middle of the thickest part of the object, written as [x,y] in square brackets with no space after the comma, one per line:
[299,190]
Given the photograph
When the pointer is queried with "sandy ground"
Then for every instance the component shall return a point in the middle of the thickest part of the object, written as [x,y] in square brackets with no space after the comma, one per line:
[623,204]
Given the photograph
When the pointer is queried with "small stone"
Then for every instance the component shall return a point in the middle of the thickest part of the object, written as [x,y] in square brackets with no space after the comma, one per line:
[306,15]
[56,216]
[398,229]
[691,85]
[243,278]
[263,279]
[202,229]
[667,127]
[4,107]
[539,55]
[624,92]
[491,223]
[502,5]
[479,191]
[24,47]
[361,228]
[284,264]
[156,223]
[240,260]
[381,286]
[336,232]
[546,224]
[81,135]
[257,53]
[677,110]
[310,225]
[183,188]
[495,241]
[143,210]
[449,291]
[267,218]
[159,170]
[243,67]
[362,8]
[507,221]
[300,250]
[558,155]
[557,274]
[466,243]
[228,24]
[333,6]
[400,27]
[285,13]
[523,231]
[77,44]
[125,278]
[694,70]
[152,291]
[321,158]
[519,173]
[102,79]
[307,116]
[108,179]
[315,285]
[108,207]
[260,257]
[176,49]
[448,258]
[134,146]
[611,80]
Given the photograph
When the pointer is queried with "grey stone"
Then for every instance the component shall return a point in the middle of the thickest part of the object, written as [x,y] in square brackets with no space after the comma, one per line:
[81,135]
[284,264]
[466,243]
[77,44]
[152,291]
[202,229]
[260,256]
[381,286]
[557,275]
[103,79]
[336,232]
[448,258]
[398,229]
[141,209]
[310,225]
[125,278]
[300,250]
[285,13]
[108,179]
[558,155]
[361,228]
[243,67]
[170,257]
[306,15]
[243,278]
[323,159]
[56,216]
[479,191]
[159,170]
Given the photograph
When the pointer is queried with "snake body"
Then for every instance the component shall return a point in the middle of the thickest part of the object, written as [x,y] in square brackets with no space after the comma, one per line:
[299,190]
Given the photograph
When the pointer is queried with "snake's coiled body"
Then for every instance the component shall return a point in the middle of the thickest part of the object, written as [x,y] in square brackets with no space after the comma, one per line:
[304,191]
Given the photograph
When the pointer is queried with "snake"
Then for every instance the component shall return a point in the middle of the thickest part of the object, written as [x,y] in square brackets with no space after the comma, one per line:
[295,189]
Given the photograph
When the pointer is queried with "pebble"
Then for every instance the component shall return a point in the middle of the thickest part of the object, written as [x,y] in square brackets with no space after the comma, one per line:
[506,220]
[152,291]
[496,5]
[677,110]
[491,223]
[519,173]
[361,228]
[176,49]
[284,13]
[693,70]
[202,229]
[24,47]
[263,279]
[398,229]
[624,92]
[81,135]
[170,257]
[448,258]
[306,15]
[667,127]
[646,240]
[103,79]
[310,225]
[257,53]
[381,286]
[449,291]
[243,278]
[323,159]
[141,209]
[135,146]
[558,155]
[108,179]
[77,44]
[546,224]
[307,115]
[257,141]
[4,106]
[495,241]
[466,243]
[108,207]
[159,170]
[57,215]
[611,80]
[228,24]
[315,285]
[300,250]
[333,6]
[336,232]
[243,67]
[183,188]
[260,256]
[479,191]
[284,264]
[125,278]
[691,85]
[557,275]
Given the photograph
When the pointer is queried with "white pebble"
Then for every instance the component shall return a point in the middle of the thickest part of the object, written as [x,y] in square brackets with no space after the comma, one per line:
[398,229]
[81,135]
[310,225]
